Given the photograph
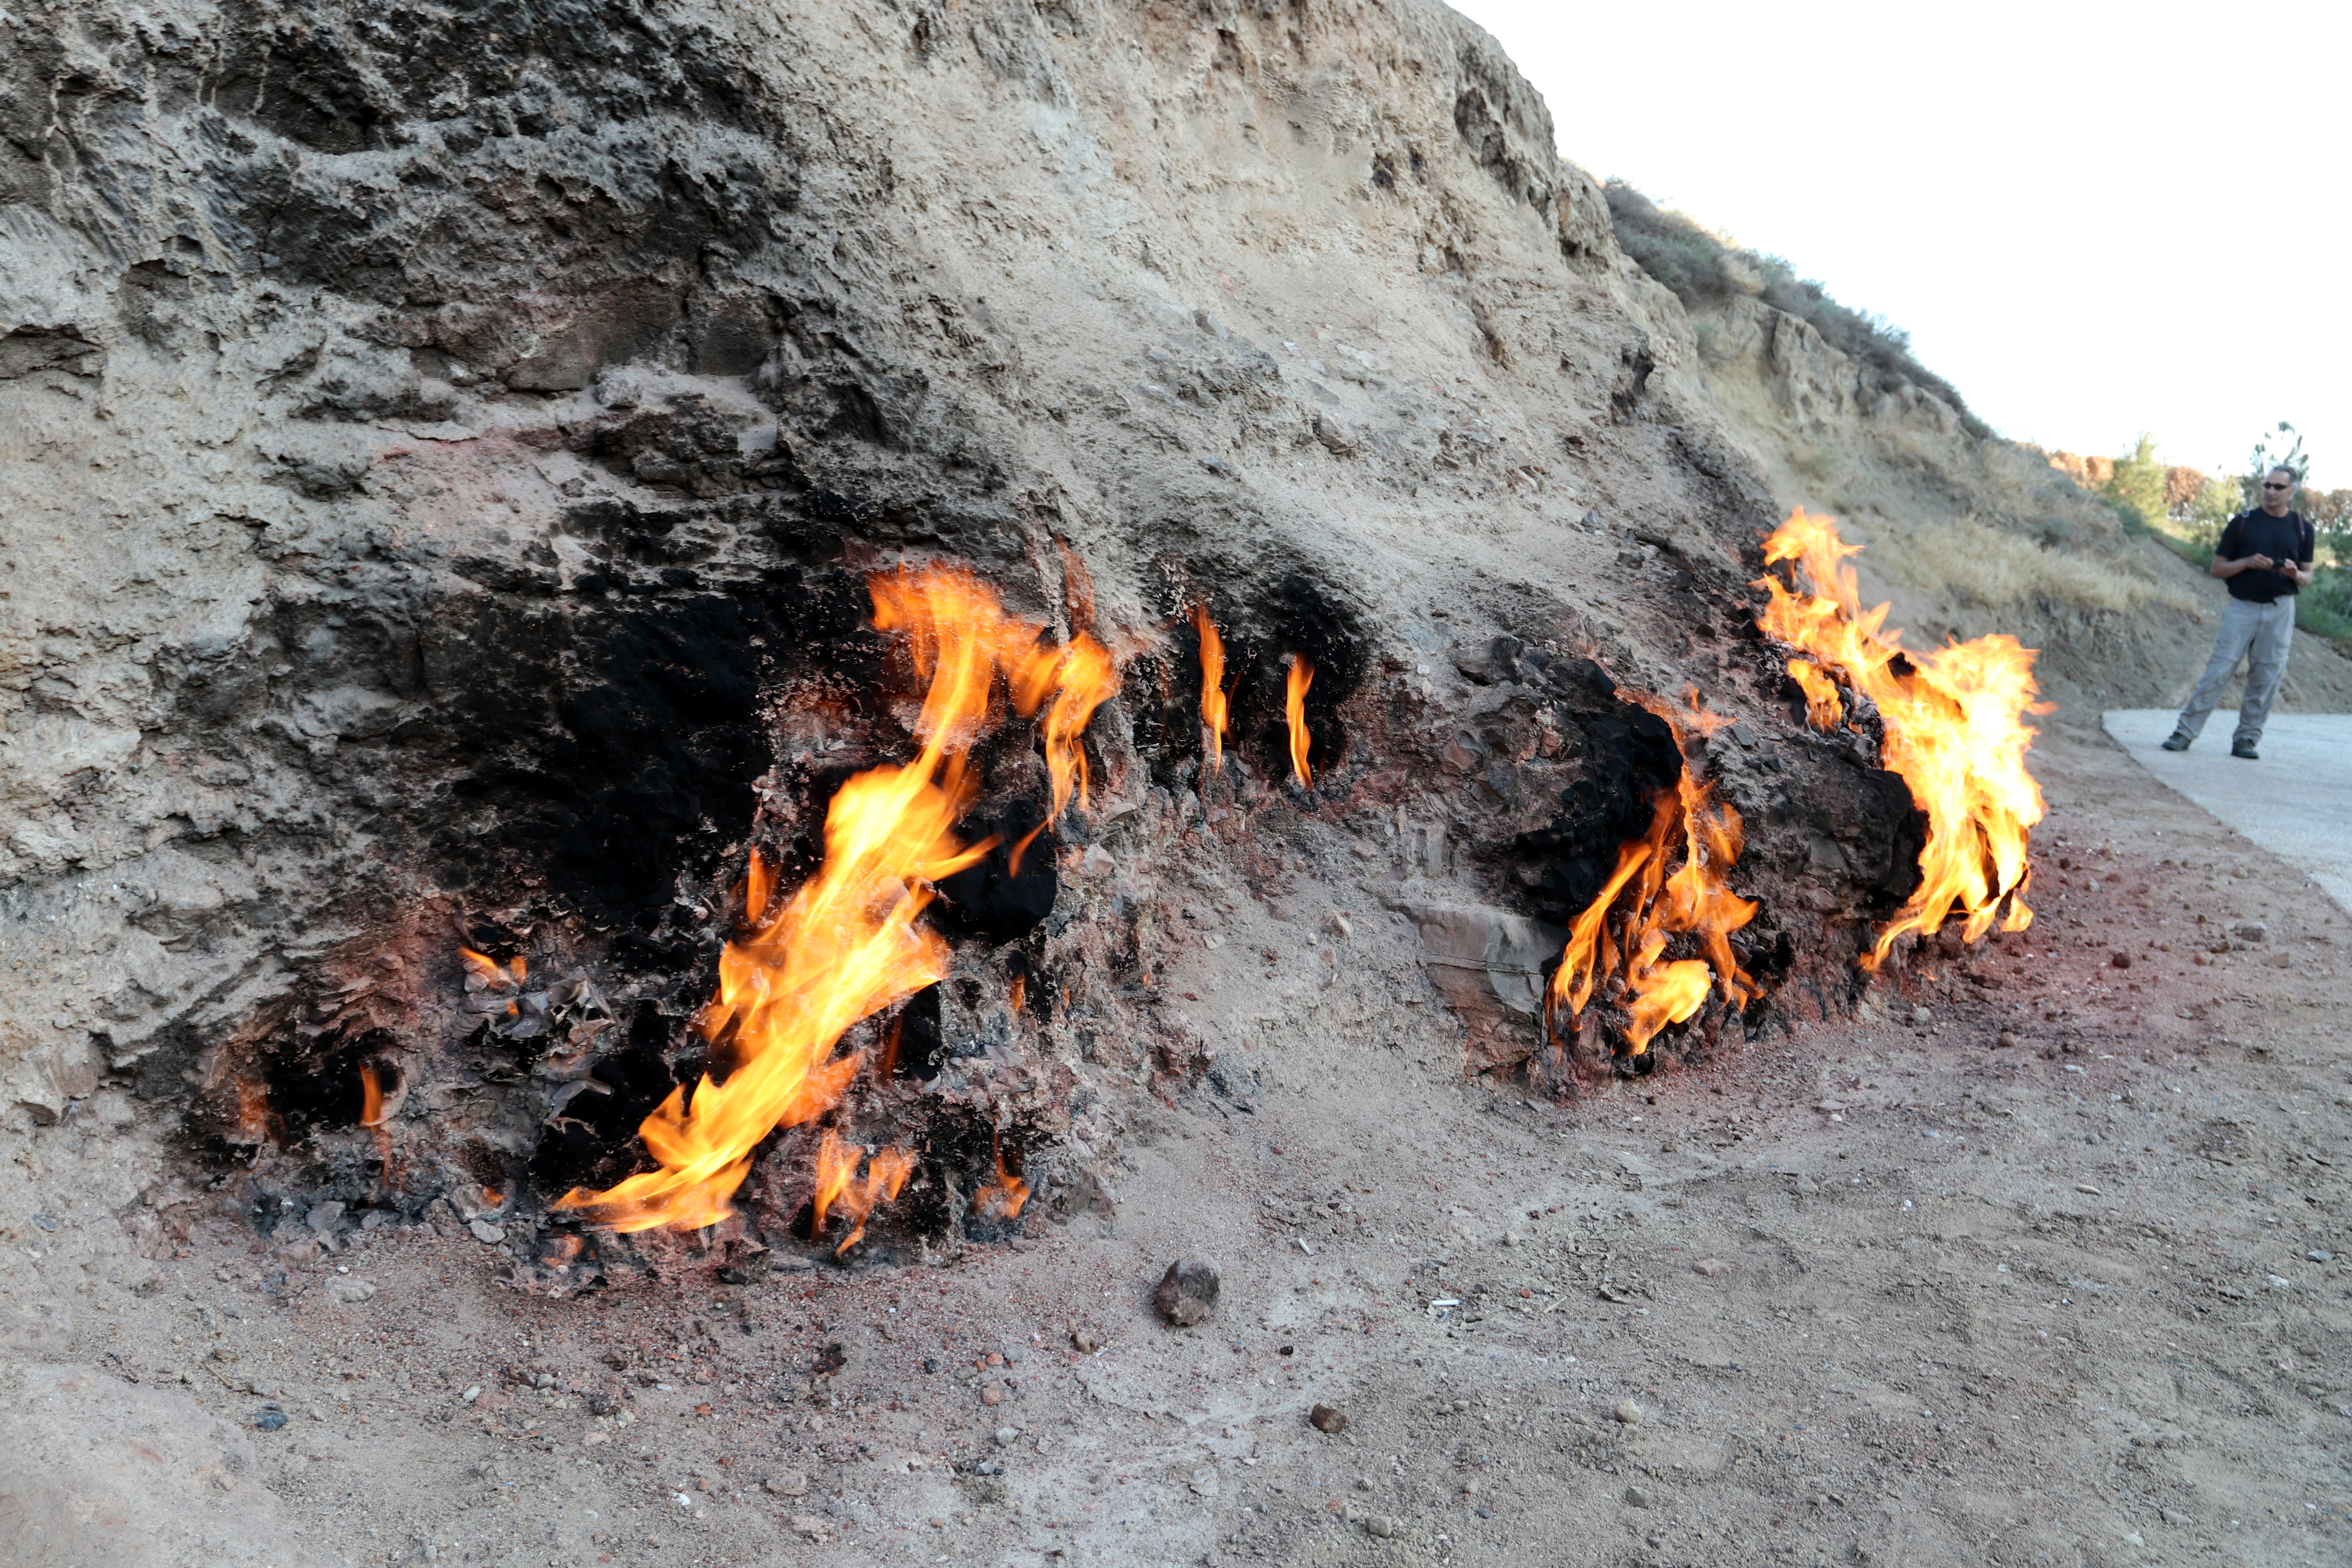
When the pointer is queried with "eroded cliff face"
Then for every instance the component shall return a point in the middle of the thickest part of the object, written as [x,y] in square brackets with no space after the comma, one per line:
[444,448]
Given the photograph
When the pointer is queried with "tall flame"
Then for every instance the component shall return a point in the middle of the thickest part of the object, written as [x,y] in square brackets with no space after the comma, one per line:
[1302,676]
[1079,678]
[1651,907]
[1954,728]
[1213,688]
[847,944]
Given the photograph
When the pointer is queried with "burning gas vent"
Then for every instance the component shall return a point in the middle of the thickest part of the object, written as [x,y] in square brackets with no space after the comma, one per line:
[863,1046]
[866,1072]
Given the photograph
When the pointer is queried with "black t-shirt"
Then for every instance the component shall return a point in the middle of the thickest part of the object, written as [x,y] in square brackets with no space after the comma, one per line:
[2257,532]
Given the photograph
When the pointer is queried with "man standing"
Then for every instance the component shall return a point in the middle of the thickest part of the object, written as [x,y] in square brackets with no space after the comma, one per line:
[2265,555]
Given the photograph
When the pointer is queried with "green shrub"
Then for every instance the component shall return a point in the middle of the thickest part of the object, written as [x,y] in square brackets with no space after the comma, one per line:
[1702,271]
[2325,609]
[2137,484]
[2211,512]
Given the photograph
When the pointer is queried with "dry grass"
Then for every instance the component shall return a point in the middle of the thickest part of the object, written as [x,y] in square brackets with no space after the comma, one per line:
[1973,561]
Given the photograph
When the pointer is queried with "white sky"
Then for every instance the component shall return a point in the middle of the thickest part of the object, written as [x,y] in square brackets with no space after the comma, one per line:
[2093,219]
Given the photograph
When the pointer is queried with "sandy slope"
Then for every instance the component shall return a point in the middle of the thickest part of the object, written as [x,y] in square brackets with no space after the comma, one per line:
[2057,1301]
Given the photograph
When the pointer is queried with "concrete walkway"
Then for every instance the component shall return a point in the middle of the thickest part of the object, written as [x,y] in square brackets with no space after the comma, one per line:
[2296,802]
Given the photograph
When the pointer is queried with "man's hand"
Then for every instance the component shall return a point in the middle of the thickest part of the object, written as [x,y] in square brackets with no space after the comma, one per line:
[2256,563]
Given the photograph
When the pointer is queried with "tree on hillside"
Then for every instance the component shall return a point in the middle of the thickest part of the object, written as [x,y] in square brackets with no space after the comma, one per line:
[2285,454]
[2183,486]
[2215,505]
[2139,481]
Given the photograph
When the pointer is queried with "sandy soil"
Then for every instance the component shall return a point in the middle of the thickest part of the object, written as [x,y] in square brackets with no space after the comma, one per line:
[1890,1291]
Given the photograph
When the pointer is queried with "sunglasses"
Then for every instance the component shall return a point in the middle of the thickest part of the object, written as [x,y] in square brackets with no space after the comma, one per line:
[2278,486]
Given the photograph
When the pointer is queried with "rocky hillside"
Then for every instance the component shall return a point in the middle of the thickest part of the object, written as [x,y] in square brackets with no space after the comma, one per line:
[433,438]
[437,442]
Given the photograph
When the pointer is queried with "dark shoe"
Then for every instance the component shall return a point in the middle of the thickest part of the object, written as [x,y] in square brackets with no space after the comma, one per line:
[2177,741]
[2245,749]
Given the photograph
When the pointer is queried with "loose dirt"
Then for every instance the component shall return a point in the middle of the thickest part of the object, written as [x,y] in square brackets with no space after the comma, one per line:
[1886,1291]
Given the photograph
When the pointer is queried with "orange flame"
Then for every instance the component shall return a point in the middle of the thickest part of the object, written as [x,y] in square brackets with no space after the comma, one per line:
[373,1117]
[485,974]
[1213,688]
[1080,677]
[1954,731]
[1824,707]
[836,1166]
[371,1096]
[1302,676]
[1695,900]
[846,945]
[1001,1198]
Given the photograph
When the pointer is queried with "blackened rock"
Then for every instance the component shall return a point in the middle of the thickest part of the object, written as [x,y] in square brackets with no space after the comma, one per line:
[916,1042]
[1323,1418]
[1626,756]
[996,896]
[1494,659]
[1187,1292]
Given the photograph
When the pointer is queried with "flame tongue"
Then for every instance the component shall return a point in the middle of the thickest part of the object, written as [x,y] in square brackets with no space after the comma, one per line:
[846,945]
[1001,1198]
[1954,731]
[1213,688]
[1302,676]
[1650,906]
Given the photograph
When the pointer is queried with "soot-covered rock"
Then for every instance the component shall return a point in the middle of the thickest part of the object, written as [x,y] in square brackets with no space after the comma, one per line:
[1303,619]
[1261,625]
[914,1042]
[1626,755]
[602,750]
[321,1085]
[591,1137]
[1011,890]
[1878,828]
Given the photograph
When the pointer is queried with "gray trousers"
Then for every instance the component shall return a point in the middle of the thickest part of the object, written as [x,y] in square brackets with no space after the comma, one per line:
[2263,635]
